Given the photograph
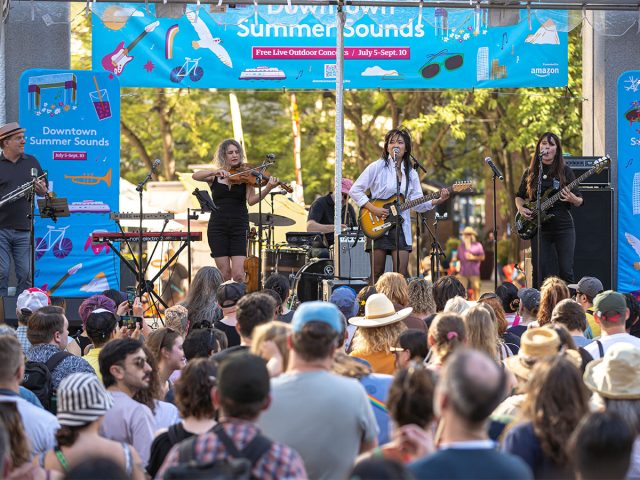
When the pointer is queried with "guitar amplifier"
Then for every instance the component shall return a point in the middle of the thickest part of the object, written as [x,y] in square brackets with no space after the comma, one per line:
[580,165]
[354,260]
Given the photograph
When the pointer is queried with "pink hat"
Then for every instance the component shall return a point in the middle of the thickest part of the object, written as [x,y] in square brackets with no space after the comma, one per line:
[32,299]
[346,185]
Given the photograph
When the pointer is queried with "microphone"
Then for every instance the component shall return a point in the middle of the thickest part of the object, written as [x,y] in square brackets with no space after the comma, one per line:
[271,156]
[156,164]
[396,151]
[494,168]
[277,192]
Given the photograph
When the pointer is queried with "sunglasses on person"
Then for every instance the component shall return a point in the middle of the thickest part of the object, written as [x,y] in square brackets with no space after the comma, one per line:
[430,69]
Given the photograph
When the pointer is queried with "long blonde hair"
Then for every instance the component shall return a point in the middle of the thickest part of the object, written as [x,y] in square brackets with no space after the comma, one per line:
[553,290]
[377,339]
[276,332]
[395,287]
[481,331]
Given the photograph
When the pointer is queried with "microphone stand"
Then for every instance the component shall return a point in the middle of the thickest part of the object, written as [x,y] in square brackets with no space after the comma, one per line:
[436,248]
[495,235]
[538,281]
[32,240]
[259,174]
[398,182]
[142,286]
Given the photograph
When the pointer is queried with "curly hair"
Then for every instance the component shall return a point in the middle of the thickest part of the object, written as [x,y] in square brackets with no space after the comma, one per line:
[481,331]
[193,389]
[148,396]
[221,151]
[555,383]
[553,290]
[177,318]
[421,296]
[411,397]
[394,286]
[446,334]
[377,339]
[362,297]
[496,305]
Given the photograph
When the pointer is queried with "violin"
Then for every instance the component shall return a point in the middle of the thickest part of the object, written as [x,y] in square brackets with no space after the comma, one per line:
[247,174]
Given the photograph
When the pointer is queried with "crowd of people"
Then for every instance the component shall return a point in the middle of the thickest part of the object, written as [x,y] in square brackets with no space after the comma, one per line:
[397,380]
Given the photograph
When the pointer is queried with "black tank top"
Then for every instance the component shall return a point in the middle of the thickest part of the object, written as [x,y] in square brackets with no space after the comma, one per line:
[231,202]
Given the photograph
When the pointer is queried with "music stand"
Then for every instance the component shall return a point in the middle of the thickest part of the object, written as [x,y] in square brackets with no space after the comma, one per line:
[205,200]
[53,208]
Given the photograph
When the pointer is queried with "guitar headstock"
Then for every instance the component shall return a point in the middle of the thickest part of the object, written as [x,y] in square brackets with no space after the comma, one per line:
[601,163]
[462,186]
[152,26]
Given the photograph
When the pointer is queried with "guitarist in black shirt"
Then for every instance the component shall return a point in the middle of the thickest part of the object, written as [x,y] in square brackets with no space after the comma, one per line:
[558,237]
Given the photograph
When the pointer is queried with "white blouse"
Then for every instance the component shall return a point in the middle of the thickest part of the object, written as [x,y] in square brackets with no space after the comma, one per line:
[380,179]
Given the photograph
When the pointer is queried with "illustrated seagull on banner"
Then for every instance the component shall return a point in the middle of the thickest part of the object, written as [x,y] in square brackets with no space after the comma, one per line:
[206,40]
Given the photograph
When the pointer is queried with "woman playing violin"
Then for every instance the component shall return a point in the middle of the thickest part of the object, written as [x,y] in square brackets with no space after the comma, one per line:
[228,226]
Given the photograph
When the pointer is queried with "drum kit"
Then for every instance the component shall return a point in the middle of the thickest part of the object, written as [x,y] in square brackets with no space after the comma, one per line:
[304,258]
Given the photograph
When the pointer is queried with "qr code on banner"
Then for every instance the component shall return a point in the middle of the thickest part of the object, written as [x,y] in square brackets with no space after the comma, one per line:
[330,70]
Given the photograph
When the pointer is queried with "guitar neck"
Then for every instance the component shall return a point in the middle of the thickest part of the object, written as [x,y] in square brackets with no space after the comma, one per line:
[548,203]
[417,201]
[137,39]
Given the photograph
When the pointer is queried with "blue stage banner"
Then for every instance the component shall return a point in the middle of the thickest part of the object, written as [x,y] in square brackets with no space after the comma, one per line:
[277,46]
[72,119]
[629,182]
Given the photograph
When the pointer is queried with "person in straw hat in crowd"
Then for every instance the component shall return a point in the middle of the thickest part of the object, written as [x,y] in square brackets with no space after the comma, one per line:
[470,254]
[536,344]
[82,403]
[615,382]
[15,224]
[378,331]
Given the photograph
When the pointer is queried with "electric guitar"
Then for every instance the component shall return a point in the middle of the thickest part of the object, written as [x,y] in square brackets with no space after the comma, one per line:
[115,61]
[527,228]
[375,227]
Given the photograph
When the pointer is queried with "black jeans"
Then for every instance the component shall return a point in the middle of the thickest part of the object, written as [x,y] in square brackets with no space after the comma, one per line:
[557,243]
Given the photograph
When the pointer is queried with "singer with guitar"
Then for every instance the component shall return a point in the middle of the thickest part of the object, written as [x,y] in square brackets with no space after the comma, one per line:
[381,179]
[16,169]
[229,224]
[557,234]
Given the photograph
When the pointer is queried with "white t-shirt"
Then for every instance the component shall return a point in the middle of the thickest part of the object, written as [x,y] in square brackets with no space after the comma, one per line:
[608,340]
[39,425]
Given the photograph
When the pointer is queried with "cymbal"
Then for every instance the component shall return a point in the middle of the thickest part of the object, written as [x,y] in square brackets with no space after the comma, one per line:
[271,220]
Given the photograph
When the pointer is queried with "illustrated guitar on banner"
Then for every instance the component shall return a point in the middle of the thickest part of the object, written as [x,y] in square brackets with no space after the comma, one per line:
[375,227]
[527,228]
[118,59]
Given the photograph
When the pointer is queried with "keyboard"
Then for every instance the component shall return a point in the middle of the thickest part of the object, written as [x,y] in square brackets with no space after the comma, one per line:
[102,237]
[117,216]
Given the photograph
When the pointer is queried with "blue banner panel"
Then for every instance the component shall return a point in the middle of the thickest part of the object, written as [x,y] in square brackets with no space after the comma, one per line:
[72,119]
[629,182]
[277,46]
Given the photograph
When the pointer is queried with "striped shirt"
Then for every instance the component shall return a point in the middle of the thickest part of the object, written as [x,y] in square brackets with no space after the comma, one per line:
[279,462]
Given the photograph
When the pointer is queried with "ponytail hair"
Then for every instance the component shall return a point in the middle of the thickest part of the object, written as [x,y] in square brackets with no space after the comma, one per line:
[447,333]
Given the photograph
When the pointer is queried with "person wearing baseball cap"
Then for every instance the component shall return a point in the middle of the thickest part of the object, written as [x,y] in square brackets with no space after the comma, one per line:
[229,293]
[29,301]
[321,212]
[586,290]
[16,169]
[327,418]
[610,312]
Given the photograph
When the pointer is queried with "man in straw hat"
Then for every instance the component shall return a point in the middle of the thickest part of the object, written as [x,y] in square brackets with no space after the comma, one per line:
[16,169]
[470,254]
[327,418]
[610,312]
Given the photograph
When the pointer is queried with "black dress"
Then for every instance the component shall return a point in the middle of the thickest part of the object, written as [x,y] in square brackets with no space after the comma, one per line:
[227,232]
[558,236]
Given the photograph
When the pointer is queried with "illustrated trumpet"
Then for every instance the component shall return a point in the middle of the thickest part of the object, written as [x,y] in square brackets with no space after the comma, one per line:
[21,191]
[87,179]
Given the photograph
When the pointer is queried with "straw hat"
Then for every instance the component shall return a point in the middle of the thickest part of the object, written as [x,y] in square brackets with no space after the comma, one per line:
[617,374]
[10,129]
[535,344]
[469,231]
[378,312]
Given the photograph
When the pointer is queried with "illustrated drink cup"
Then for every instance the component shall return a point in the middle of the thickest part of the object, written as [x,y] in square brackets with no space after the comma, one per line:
[100,100]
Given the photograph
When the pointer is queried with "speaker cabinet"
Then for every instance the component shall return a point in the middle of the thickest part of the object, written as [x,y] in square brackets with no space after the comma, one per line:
[580,165]
[593,221]
[328,286]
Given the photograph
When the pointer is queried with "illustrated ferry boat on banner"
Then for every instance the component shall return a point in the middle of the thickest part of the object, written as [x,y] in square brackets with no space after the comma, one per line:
[262,73]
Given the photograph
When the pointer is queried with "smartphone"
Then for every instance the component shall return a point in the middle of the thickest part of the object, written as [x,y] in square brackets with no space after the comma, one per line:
[131,295]
[130,321]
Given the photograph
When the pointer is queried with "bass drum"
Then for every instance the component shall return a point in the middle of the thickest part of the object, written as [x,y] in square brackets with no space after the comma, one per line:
[308,282]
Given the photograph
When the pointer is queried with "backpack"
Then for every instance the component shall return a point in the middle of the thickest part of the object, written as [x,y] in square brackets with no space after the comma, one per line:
[236,466]
[37,378]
